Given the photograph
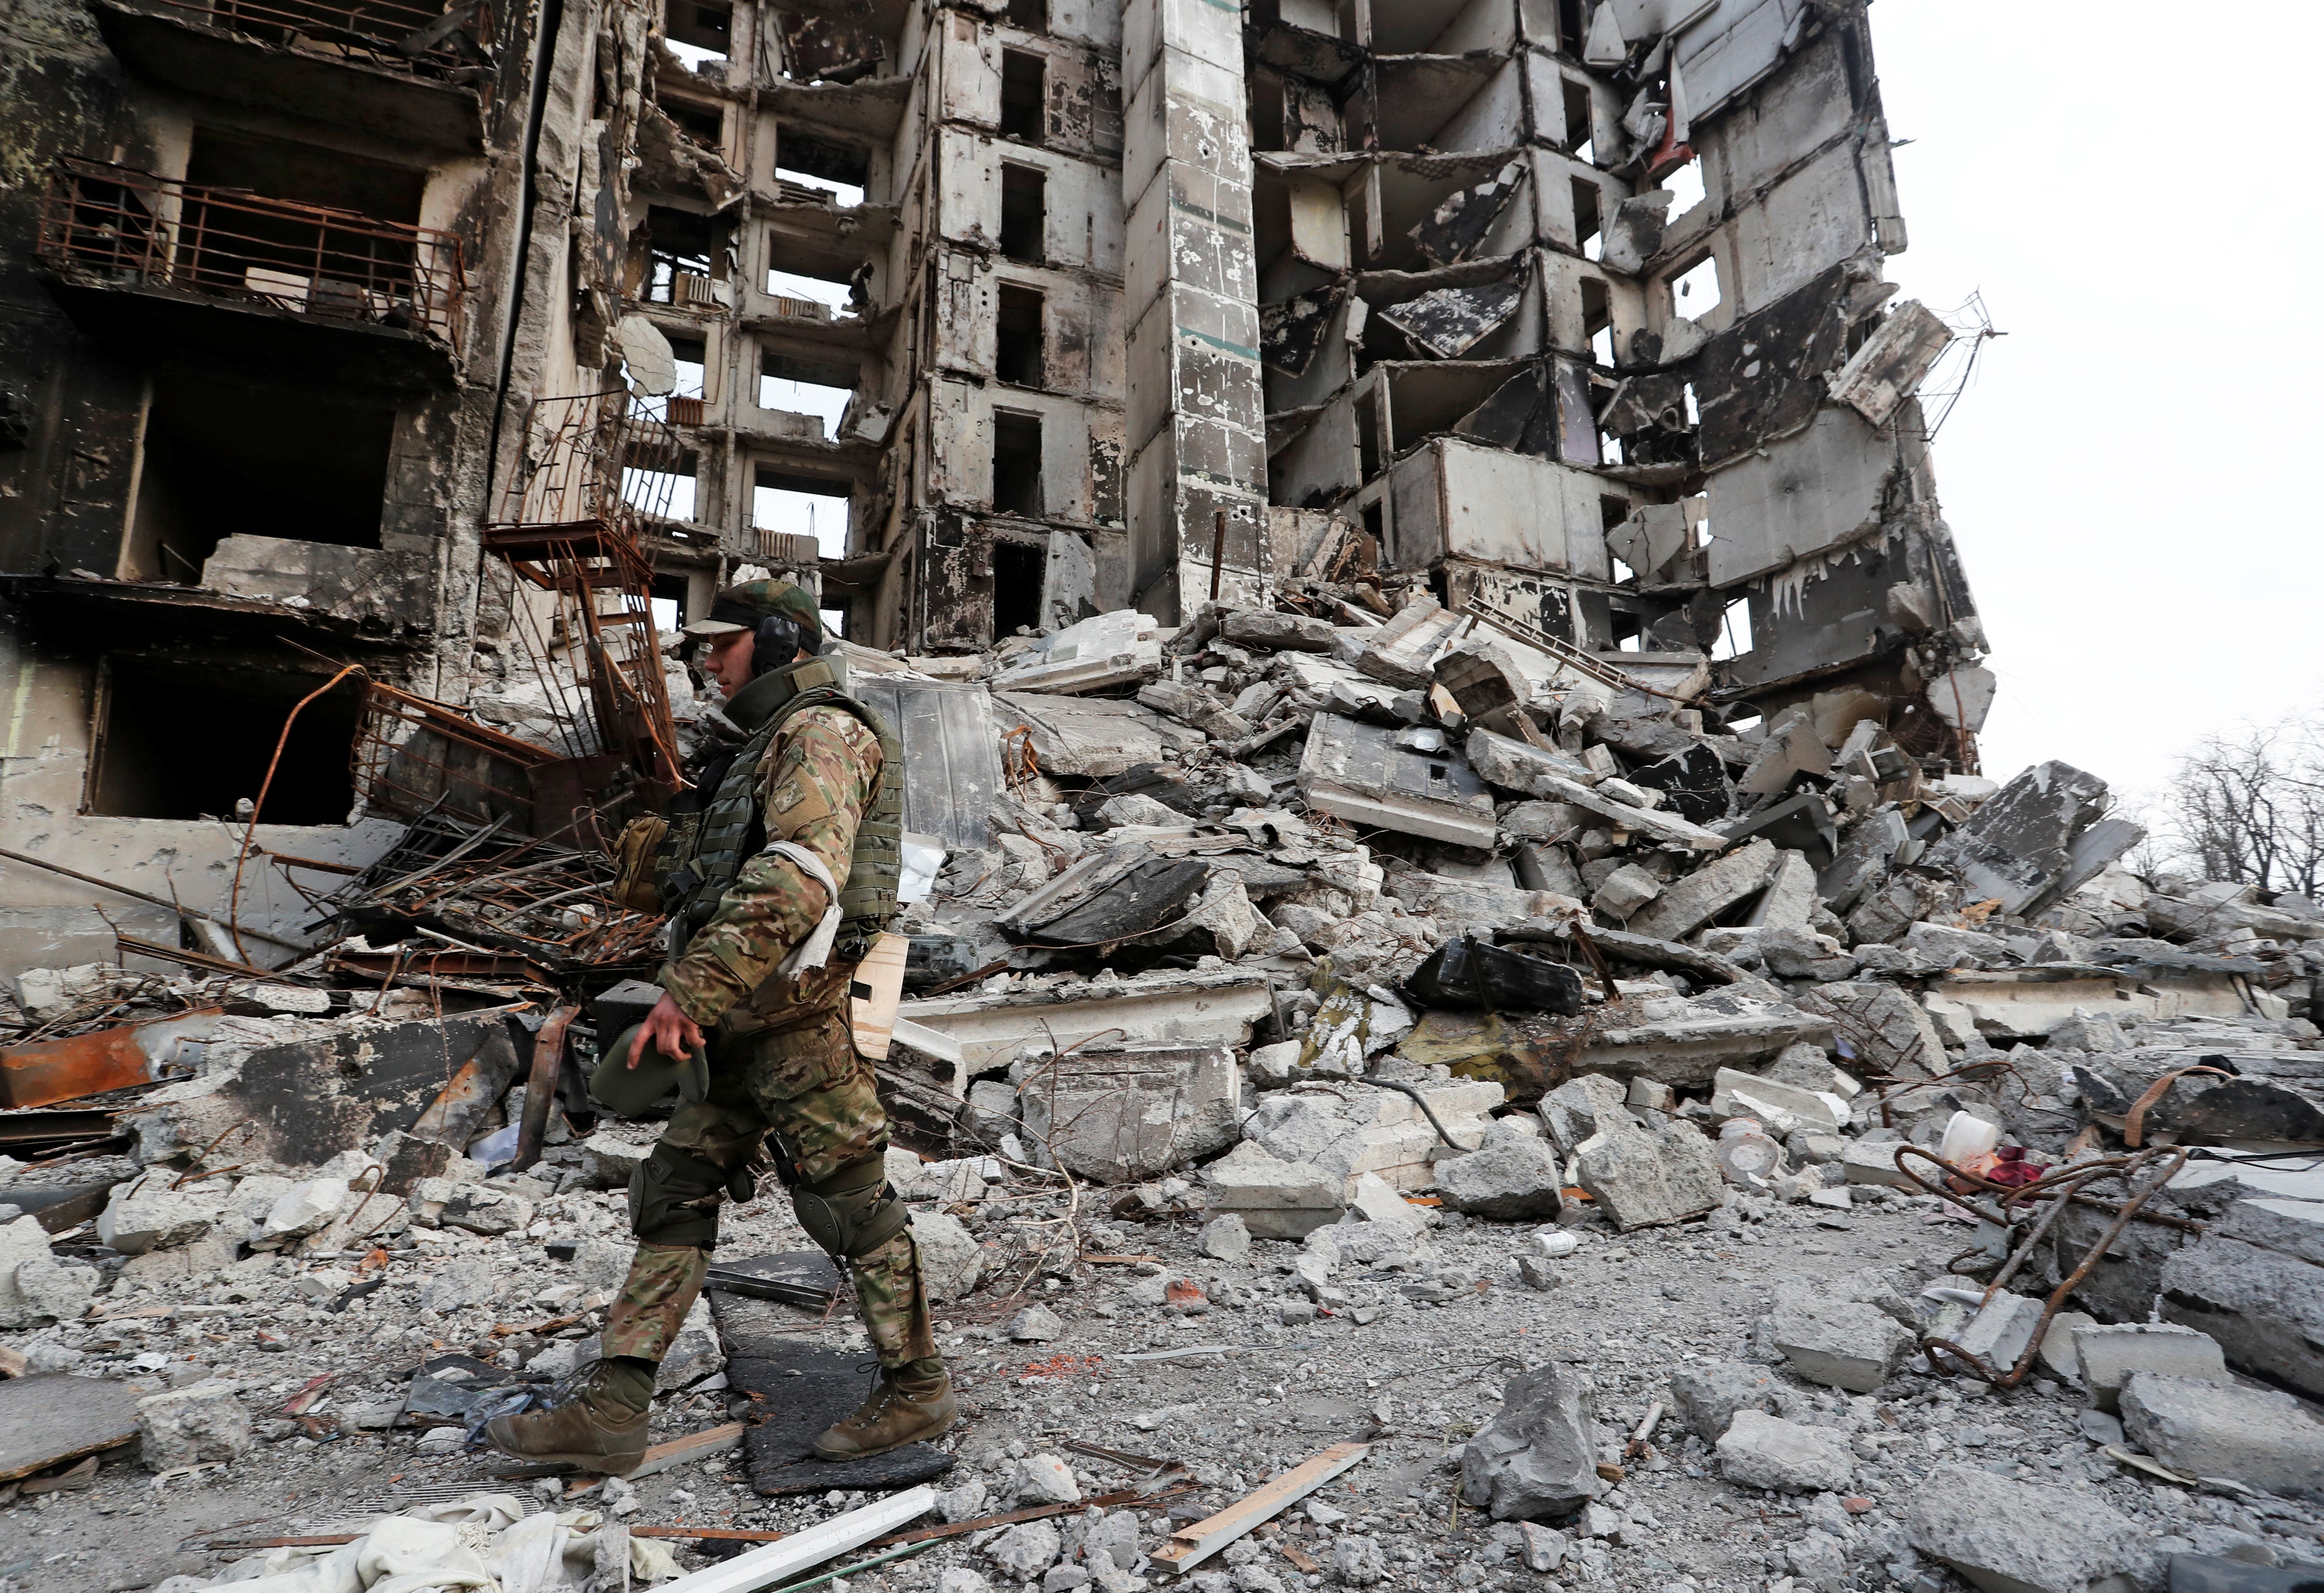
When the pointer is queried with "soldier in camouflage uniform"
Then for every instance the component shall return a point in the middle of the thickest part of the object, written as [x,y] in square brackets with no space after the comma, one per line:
[783,1064]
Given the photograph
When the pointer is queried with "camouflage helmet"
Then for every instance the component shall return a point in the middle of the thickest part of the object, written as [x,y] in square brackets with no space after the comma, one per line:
[742,607]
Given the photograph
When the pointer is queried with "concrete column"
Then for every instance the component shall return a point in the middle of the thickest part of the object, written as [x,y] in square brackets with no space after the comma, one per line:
[1197,423]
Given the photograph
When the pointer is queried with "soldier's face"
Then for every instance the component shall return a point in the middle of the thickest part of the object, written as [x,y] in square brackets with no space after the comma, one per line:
[727,660]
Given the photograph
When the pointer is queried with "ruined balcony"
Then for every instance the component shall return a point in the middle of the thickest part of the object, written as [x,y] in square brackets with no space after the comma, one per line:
[393,70]
[224,270]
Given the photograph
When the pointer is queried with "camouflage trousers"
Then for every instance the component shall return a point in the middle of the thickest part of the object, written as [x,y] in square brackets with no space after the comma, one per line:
[804,1084]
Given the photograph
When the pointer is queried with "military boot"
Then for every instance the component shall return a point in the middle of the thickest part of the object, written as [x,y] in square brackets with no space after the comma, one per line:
[600,1426]
[913,1403]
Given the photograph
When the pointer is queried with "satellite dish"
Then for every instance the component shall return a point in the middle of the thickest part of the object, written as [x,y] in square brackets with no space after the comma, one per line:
[651,366]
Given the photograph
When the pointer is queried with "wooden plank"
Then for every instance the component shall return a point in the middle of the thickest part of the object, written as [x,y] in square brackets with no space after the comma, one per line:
[761,1567]
[1192,1544]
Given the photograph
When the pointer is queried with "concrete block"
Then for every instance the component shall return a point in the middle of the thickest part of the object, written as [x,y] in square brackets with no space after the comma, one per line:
[1841,1343]
[1780,1108]
[1644,1177]
[1706,1395]
[2266,1308]
[1385,1208]
[1538,1456]
[1762,1451]
[146,1214]
[1572,1111]
[1276,1199]
[35,1285]
[2015,1537]
[1225,1237]
[1874,1162]
[1685,905]
[1883,1025]
[1625,891]
[695,1353]
[2107,1355]
[1121,1115]
[2060,1358]
[2000,1334]
[191,1426]
[2257,1436]
[1514,1179]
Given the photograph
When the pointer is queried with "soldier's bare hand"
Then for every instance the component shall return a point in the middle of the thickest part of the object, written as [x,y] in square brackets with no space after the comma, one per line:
[672,1032]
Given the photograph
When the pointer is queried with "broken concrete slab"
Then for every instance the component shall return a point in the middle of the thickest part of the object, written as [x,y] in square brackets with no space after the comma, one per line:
[2200,1428]
[1683,1043]
[2265,1308]
[1356,1129]
[193,1425]
[1708,1395]
[1649,1176]
[1541,781]
[1781,1108]
[2015,848]
[1092,738]
[1762,1451]
[1400,651]
[1841,1343]
[1867,853]
[1886,1029]
[1538,1457]
[1119,1116]
[1685,905]
[991,1029]
[1403,779]
[1576,1109]
[1107,650]
[2108,1354]
[2015,1537]
[1275,1198]
[49,1417]
[1521,766]
[1514,1179]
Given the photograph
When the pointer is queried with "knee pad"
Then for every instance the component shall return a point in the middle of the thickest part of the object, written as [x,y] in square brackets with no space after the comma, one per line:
[672,1199]
[853,1212]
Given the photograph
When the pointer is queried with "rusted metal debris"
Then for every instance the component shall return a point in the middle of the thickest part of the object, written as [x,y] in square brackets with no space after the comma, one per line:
[91,1064]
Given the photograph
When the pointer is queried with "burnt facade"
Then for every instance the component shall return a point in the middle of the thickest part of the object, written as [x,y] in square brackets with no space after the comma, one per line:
[985,318]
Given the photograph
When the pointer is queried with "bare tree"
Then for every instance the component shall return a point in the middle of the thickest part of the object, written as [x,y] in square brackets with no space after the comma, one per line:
[2249,807]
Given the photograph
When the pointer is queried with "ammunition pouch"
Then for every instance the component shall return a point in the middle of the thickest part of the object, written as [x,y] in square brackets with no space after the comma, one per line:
[853,1212]
[635,857]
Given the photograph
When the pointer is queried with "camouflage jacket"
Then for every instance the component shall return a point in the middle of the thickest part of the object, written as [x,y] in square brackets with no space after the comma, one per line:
[814,784]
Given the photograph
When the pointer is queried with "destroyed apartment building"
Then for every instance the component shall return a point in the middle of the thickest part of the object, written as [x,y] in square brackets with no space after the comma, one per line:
[1465,1012]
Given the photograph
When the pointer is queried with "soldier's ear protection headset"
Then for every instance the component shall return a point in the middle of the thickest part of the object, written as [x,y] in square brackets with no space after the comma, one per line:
[779,641]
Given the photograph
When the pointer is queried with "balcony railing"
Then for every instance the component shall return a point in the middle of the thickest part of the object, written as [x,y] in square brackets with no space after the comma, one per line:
[452,44]
[118,222]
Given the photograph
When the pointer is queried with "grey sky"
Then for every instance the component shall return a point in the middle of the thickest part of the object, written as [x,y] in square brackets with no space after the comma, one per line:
[2121,477]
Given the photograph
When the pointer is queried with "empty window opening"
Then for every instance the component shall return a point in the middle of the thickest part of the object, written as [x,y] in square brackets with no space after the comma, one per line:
[1694,414]
[1016,338]
[1585,218]
[1734,630]
[1023,114]
[286,259]
[1016,463]
[704,123]
[662,487]
[1267,114]
[1367,436]
[805,387]
[1598,319]
[1024,213]
[1573,26]
[838,167]
[153,759]
[1375,521]
[1580,125]
[668,601]
[835,621]
[683,405]
[223,458]
[1018,572]
[1032,15]
[1694,293]
[801,505]
[700,34]
[830,291]
[679,247]
[1685,185]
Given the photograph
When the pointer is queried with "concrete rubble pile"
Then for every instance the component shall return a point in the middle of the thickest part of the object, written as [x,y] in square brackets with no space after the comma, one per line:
[1300,980]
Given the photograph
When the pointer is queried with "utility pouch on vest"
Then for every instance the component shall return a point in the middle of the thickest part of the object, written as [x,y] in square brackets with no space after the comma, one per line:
[634,854]
[874,993]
